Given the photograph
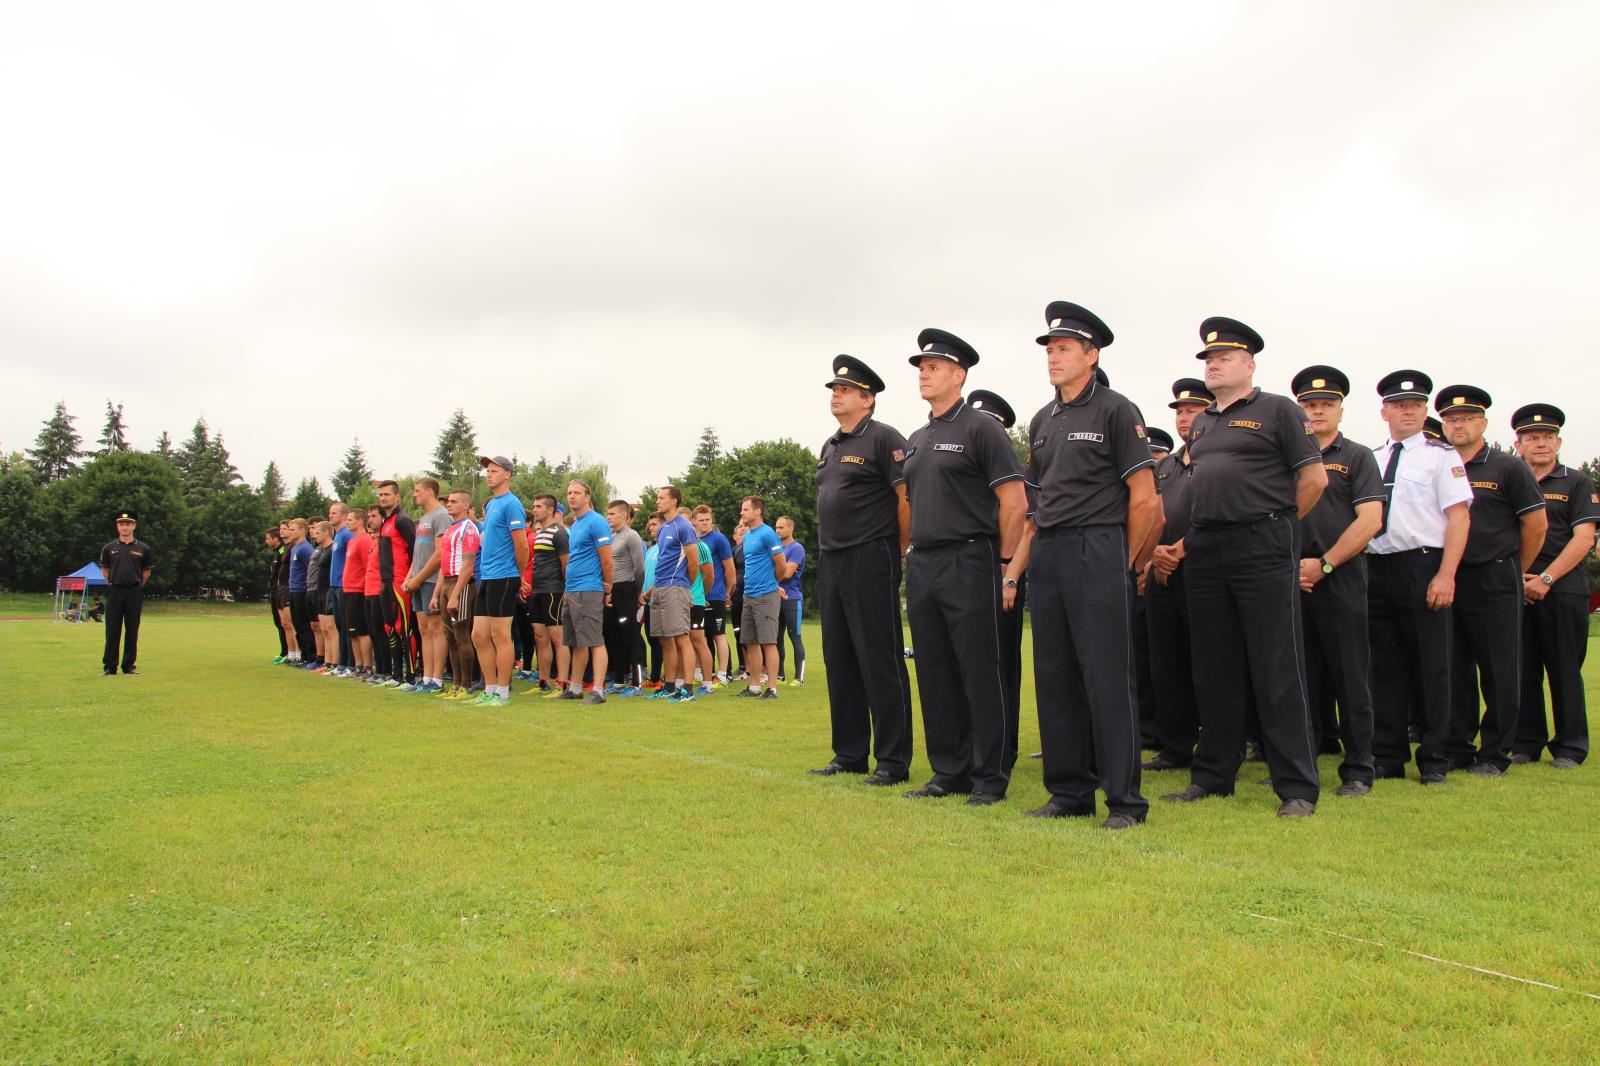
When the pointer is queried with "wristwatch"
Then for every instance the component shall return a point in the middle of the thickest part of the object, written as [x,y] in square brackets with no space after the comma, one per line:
[1547,579]
[1010,582]
[1327,567]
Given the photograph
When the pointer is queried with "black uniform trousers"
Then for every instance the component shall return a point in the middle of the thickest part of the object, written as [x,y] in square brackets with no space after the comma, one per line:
[124,604]
[1171,675]
[1412,662]
[863,642]
[1339,660]
[1488,649]
[1083,671]
[1555,639]
[953,603]
[1242,583]
[300,615]
[1011,660]
[1144,684]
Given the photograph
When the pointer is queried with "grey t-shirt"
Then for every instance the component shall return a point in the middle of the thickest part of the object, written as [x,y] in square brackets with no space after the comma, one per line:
[430,527]
[627,555]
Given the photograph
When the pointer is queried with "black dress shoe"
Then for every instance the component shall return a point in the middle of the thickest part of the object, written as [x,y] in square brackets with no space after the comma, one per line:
[1354,788]
[129,671]
[1052,809]
[1434,778]
[1385,773]
[1188,795]
[1118,820]
[1519,759]
[1562,762]
[1296,808]
[108,673]
[1162,762]
[983,799]
[1485,769]
[881,777]
[834,768]
[928,791]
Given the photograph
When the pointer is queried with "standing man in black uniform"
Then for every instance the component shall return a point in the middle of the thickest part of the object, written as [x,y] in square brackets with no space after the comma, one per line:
[1508,528]
[863,528]
[1555,621]
[1333,573]
[1089,464]
[967,511]
[1256,471]
[125,563]
[1166,606]
[1013,598]
[1411,572]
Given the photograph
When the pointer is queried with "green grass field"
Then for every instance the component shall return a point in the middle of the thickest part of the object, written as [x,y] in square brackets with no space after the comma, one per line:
[222,860]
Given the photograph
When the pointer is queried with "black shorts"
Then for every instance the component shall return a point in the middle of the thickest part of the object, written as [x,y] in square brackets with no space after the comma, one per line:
[280,598]
[544,609]
[697,618]
[715,621]
[497,597]
[355,614]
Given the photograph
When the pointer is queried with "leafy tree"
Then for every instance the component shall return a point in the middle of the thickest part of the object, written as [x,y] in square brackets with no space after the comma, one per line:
[57,447]
[114,436]
[354,471]
[203,466]
[708,451]
[308,503]
[456,454]
[25,556]
[224,548]
[84,507]
[273,490]
[543,476]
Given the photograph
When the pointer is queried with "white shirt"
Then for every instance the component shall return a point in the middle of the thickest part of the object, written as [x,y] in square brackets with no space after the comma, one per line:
[1430,478]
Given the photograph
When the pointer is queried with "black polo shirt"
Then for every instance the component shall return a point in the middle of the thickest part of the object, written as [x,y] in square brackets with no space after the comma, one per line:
[1081,454]
[856,476]
[126,563]
[1172,485]
[1245,459]
[1503,490]
[1569,500]
[953,465]
[1353,477]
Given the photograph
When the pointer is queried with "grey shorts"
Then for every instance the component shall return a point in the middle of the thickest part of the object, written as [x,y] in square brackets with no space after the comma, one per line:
[669,611]
[759,624]
[421,595]
[583,619]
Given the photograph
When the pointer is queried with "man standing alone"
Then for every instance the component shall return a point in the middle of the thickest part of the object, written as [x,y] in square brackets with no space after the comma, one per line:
[125,563]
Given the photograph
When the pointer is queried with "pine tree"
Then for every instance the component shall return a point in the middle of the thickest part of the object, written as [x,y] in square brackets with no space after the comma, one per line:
[709,451]
[354,471]
[203,465]
[309,502]
[273,489]
[114,436]
[56,449]
[164,446]
[456,440]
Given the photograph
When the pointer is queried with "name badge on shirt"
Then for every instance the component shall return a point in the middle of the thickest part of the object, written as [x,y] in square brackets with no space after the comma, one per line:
[1243,423]
[1098,438]
[949,447]
[853,459]
[1491,486]
[1345,470]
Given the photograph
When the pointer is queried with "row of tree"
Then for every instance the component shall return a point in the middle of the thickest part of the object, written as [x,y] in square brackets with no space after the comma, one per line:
[205,522]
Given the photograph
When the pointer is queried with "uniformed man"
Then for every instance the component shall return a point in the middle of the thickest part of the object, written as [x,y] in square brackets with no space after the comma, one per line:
[1411,580]
[1555,620]
[125,563]
[1166,607]
[1507,531]
[967,511]
[1432,428]
[1256,472]
[1090,468]
[864,527]
[1160,442]
[1333,573]
[1013,599]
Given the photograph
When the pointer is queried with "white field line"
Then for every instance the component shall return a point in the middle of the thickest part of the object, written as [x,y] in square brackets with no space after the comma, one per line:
[1423,955]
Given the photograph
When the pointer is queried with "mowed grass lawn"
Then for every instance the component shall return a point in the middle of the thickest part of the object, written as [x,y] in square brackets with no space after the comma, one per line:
[227,861]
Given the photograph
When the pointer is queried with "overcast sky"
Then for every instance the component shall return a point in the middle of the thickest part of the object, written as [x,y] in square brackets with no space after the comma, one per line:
[600,228]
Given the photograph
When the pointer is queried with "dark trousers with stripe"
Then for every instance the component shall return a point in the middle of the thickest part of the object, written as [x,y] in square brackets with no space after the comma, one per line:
[1083,668]
[1339,661]
[124,605]
[1011,660]
[1243,589]
[863,642]
[376,625]
[1487,652]
[1411,660]
[1171,675]
[1144,683]
[1555,637]
[953,604]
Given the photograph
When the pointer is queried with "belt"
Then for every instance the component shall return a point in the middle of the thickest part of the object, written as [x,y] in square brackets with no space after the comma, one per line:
[1271,516]
[1403,554]
[942,544]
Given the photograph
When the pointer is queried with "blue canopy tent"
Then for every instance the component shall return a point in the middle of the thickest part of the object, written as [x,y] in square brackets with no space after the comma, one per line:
[80,581]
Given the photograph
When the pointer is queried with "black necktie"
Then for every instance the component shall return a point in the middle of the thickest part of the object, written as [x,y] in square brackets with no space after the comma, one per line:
[1395,448]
